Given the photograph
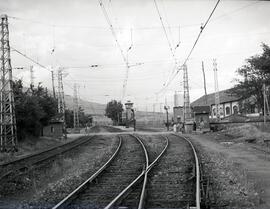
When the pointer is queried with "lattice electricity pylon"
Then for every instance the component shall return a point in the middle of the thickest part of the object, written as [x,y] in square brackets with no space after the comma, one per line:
[31,76]
[8,130]
[61,101]
[75,108]
[217,100]
[187,110]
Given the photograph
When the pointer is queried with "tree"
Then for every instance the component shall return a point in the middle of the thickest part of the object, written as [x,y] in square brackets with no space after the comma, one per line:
[114,111]
[33,109]
[69,118]
[84,119]
[254,73]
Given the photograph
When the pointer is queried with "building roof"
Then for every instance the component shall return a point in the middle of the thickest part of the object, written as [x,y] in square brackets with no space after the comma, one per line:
[224,96]
[56,119]
[201,109]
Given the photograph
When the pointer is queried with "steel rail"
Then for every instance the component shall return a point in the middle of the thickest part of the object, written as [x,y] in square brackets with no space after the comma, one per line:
[65,147]
[83,139]
[143,193]
[65,201]
[164,149]
[138,179]
[116,199]
[145,173]
[40,152]
[198,192]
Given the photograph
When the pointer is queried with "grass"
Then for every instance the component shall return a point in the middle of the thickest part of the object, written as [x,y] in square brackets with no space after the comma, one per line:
[248,131]
[31,145]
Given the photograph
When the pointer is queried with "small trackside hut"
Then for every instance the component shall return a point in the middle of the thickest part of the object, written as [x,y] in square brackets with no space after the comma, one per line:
[54,129]
[201,117]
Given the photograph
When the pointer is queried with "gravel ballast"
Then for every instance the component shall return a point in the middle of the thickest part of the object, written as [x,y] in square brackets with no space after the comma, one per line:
[230,186]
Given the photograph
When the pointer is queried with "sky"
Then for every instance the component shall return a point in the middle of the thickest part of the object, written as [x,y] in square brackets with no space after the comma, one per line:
[75,35]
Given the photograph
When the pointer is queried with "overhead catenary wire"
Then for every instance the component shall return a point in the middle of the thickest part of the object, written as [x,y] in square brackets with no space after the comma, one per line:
[29,58]
[165,32]
[167,22]
[154,27]
[125,58]
[113,31]
[32,60]
[193,47]
[210,21]
[168,41]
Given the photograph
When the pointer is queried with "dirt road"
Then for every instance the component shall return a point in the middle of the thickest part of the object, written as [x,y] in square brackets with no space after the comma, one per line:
[255,163]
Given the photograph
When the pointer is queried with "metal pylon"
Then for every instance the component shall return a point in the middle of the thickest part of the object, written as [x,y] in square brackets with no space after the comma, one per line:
[187,110]
[75,108]
[217,100]
[61,101]
[31,76]
[8,131]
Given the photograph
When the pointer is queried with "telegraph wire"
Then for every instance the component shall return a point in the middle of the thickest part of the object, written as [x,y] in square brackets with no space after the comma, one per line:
[235,11]
[126,28]
[97,27]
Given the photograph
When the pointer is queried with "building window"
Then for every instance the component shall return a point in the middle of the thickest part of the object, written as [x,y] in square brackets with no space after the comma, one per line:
[221,110]
[214,111]
[228,111]
[252,109]
[235,109]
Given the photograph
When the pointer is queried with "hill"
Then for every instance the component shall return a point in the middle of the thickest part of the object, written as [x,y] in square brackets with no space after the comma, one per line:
[89,107]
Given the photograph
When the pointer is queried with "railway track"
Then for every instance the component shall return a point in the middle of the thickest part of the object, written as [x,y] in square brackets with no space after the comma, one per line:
[127,163]
[120,182]
[173,181]
[128,181]
[24,164]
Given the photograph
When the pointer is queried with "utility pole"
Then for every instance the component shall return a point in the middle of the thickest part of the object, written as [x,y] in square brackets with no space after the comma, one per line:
[266,100]
[217,101]
[53,84]
[8,129]
[61,101]
[187,110]
[204,82]
[75,108]
[265,105]
[31,76]
[166,108]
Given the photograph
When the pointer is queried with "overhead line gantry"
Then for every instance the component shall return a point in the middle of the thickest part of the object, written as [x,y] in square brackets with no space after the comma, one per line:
[8,128]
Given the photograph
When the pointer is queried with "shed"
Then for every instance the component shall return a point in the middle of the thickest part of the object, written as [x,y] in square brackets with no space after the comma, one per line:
[54,128]
[178,114]
[201,116]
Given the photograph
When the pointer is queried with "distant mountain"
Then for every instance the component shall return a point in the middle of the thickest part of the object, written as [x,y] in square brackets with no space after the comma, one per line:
[89,107]
[92,108]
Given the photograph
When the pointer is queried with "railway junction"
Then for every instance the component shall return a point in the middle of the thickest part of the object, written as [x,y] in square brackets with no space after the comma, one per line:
[141,129]
[126,169]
